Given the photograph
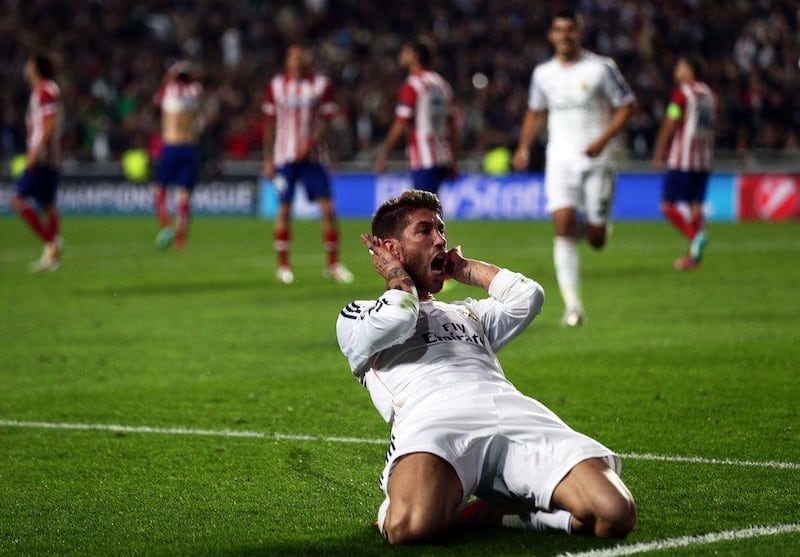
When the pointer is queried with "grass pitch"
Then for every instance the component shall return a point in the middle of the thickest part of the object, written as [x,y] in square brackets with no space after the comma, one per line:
[692,376]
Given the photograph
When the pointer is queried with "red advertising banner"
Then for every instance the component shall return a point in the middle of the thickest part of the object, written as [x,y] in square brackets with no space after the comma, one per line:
[771,197]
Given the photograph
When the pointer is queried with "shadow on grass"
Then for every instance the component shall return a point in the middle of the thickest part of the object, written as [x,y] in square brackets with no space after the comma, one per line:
[460,542]
[178,288]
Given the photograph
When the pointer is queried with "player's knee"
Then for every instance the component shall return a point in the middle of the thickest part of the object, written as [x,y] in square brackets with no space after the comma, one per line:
[596,239]
[405,526]
[616,519]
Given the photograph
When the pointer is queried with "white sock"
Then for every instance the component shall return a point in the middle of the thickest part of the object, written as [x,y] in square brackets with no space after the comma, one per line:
[558,520]
[565,257]
[382,515]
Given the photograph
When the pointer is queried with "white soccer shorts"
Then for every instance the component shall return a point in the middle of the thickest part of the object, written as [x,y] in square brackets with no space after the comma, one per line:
[504,446]
[586,187]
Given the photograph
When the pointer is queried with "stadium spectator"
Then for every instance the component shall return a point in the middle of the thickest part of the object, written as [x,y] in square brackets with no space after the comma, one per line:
[39,181]
[686,143]
[298,107]
[585,102]
[741,42]
[425,114]
[459,427]
[180,98]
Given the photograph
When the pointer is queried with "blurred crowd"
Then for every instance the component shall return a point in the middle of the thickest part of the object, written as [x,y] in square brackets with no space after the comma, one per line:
[112,54]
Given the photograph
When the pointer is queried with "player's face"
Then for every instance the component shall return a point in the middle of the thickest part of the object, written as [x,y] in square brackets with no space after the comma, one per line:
[30,71]
[406,57]
[683,71]
[297,59]
[565,36]
[423,250]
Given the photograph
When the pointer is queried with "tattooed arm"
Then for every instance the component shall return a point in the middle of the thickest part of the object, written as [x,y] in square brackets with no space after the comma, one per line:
[469,271]
[389,267]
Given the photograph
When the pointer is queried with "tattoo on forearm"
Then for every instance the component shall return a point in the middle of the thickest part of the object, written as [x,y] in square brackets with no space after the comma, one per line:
[397,273]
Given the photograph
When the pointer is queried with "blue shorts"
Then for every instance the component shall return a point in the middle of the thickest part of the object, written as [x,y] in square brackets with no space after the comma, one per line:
[429,179]
[39,183]
[684,186]
[177,165]
[313,175]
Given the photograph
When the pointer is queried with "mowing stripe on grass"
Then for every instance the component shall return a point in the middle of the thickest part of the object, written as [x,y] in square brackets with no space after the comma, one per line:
[686,541]
[359,440]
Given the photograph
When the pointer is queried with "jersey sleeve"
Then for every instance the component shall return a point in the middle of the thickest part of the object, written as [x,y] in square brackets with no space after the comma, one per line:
[537,100]
[48,101]
[364,329]
[328,108]
[268,106]
[514,301]
[677,105]
[617,90]
[406,101]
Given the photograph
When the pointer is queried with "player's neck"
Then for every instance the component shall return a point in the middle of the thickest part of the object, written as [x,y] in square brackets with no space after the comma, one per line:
[571,57]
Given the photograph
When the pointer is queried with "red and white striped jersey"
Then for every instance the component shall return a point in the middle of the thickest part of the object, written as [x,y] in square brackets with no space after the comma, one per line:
[692,147]
[297,105]
[179,97]
[45,101]
[425,101]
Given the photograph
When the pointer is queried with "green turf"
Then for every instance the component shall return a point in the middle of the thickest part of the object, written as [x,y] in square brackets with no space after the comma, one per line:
[700,364]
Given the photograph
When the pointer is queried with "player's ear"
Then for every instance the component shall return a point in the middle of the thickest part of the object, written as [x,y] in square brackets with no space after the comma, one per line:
[392,245]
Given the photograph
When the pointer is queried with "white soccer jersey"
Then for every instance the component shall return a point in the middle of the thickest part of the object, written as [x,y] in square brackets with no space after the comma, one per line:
[405,351]
[578,98]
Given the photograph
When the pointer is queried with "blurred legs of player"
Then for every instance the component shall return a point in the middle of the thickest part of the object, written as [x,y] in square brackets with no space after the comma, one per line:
[318,189]
[168,234]
[40,183]
[689,188]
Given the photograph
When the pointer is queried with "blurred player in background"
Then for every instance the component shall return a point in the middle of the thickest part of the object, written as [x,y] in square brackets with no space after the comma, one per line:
[688,130]
[459,427]
[180,99]
[298,107]
[424,110]
[39,181]
[586,103]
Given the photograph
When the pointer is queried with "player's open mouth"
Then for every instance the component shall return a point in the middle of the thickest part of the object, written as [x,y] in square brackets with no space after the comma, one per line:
[437,265]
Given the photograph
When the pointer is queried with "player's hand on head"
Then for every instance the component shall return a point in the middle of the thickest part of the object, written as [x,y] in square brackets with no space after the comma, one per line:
[455,263]
[382,259]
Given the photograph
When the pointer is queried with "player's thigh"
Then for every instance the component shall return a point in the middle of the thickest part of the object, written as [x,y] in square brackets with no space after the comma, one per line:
[425,486]
[674,187]
[316,181]
[284,182]
[599,184]
[562,186]
[697,187]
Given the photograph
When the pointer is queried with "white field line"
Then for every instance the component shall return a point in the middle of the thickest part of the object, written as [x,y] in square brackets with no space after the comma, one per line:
[357,440]
[686,541]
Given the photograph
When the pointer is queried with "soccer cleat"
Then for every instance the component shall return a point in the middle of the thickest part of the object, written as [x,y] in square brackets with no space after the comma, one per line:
[165,238]
[49,261]
[573,317]
[285,275]
[685,263]
[697,246]
[338,273]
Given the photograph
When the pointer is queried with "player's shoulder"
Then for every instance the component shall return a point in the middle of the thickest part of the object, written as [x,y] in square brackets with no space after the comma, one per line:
[49,90]
[356,308]
[545,66]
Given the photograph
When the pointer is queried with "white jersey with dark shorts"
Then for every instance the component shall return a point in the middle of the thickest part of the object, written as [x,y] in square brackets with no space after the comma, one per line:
[432,372]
